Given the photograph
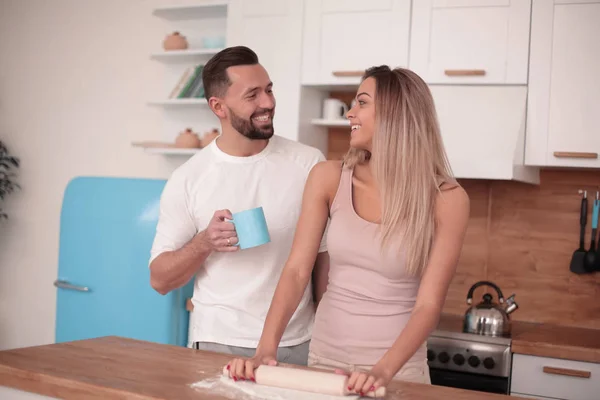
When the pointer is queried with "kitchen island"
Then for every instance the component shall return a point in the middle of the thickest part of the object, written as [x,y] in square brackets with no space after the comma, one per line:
[119,368]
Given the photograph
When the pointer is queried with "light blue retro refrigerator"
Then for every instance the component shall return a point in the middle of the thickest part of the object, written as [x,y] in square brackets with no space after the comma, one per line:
[107,227]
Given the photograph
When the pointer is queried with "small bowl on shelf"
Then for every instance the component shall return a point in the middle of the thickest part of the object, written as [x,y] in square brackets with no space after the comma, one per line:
[213,42]
[188,139]
[175,41]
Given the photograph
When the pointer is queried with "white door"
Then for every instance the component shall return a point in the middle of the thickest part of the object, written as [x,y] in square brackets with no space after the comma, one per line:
[470,41]
[563,124]
[343,38]
[273,29]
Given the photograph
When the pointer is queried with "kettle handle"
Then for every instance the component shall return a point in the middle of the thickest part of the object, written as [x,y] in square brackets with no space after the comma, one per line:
[481,283]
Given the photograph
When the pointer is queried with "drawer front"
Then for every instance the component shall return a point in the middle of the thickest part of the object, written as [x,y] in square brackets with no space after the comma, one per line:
[554,378]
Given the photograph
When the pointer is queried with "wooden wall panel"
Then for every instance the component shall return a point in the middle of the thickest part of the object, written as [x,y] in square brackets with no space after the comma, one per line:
[533,231]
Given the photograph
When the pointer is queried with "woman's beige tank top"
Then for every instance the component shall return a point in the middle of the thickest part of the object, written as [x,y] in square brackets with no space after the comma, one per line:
[369,297]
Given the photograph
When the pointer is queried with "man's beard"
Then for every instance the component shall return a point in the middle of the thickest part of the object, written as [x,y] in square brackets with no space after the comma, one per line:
[247,127]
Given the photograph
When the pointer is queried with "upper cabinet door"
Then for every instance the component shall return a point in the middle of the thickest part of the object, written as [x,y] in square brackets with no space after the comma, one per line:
[343,38]
[470,41]
[563,121]
[273,29]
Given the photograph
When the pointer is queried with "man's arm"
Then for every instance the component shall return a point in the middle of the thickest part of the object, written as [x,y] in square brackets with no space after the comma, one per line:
[178,250]
[173,269]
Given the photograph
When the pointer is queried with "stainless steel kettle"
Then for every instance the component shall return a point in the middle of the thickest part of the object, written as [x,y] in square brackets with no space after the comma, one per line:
[489,318]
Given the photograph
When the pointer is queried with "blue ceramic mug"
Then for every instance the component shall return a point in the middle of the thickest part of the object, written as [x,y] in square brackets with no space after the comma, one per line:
[251,228]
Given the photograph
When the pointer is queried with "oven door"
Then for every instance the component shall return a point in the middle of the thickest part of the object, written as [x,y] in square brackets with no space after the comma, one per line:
[468,381]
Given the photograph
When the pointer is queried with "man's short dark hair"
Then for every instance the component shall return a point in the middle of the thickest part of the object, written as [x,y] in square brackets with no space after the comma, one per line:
[214,74]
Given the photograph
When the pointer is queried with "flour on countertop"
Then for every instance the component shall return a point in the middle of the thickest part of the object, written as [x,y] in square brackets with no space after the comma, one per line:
[244,390]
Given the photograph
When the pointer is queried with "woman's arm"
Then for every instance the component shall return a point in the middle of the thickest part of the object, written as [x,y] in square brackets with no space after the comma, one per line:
[296,273]
[452,215]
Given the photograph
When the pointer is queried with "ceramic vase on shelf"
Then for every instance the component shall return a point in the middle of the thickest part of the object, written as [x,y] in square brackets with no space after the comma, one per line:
[175,41]
[188,139]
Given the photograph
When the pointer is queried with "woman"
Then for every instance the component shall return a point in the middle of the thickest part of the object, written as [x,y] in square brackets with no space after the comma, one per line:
[397,225]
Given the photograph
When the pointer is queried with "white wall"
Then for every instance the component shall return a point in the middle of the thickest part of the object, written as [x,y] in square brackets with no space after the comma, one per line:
[74,79]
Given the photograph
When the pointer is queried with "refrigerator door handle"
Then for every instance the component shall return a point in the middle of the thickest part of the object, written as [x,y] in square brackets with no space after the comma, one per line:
[66,285]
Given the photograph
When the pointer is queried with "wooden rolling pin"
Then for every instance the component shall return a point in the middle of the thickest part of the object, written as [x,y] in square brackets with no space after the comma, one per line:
[306,380]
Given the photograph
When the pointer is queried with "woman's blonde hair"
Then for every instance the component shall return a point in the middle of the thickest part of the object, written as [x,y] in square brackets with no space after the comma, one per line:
[409,162]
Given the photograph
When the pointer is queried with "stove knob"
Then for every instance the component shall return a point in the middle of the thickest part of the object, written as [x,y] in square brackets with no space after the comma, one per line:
[489,363]
[474,361]
[430,355]
[444,357]
[458,359]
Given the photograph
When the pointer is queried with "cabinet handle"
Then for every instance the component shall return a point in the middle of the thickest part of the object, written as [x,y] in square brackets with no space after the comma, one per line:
[189,306]
[465,72]
[567,372]
[574,154]
[348,73]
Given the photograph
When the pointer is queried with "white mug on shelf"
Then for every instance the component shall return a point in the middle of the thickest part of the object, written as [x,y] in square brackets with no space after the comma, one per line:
[334,109]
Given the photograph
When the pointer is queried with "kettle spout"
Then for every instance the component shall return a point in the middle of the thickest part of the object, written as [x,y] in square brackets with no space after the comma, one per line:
[511,304]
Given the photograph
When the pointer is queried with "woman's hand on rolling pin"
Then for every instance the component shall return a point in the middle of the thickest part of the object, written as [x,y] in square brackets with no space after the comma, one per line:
[243,369]
[362,382]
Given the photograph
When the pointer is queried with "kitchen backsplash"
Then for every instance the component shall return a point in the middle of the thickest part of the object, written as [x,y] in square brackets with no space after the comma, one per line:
[522,237]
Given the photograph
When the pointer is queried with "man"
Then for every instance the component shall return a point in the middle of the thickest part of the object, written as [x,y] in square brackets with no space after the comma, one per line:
[245,167]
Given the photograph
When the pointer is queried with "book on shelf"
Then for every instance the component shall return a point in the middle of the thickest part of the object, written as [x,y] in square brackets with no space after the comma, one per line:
[190,84]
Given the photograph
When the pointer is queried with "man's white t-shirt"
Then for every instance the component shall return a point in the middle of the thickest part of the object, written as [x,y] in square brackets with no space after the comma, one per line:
[233,291]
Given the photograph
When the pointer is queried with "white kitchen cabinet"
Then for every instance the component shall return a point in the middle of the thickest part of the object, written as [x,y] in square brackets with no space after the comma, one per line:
[543,377]
[343,38]
[563,124]
[470,41]
[273,29]
[17,394]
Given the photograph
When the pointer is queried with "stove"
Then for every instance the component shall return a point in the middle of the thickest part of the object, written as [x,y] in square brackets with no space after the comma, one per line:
[469,361]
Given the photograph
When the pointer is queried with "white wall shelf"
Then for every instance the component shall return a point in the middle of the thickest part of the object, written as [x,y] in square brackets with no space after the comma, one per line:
[203,23]
[179,102]
[333,87]
[331,122]
[171,151]
[215,9]
[165,148]
[183,55]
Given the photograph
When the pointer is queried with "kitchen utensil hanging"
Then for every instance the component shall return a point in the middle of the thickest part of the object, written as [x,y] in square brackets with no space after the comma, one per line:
[591,256]
[578,258]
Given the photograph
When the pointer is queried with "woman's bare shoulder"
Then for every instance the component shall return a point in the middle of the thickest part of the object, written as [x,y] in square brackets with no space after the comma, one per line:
[326,176]
[452,201]
[325,171]
[327,167]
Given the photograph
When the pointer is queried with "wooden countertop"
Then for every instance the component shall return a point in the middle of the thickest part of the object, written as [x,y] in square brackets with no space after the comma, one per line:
[545,340]
[117,368]
[565,342]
